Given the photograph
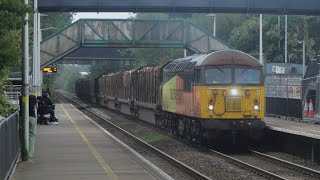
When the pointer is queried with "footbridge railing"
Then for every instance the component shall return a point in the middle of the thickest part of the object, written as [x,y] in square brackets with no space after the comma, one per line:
[127,33]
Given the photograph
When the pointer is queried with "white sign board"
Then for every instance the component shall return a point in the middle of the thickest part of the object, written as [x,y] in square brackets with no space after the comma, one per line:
[280,70]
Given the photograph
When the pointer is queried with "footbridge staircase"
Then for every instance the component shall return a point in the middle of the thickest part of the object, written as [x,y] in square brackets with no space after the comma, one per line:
[127,33]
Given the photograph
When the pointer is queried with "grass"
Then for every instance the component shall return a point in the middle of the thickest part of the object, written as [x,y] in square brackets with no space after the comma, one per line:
[153,138]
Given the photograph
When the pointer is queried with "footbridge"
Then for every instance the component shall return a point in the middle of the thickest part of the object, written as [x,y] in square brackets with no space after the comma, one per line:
[196,6]
[125,33]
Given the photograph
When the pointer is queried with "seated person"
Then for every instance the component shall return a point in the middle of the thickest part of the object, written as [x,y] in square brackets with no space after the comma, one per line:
[41,111]
[47,106]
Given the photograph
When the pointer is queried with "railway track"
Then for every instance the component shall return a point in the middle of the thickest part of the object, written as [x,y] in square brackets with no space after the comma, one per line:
[256,162]
[252,161]
[192,172]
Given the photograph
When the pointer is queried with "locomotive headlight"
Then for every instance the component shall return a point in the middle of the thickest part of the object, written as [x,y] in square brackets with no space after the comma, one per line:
[210,107]
[234,92]
[256,107]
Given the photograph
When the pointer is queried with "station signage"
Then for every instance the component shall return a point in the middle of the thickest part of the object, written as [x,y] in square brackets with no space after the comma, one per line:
[49,70]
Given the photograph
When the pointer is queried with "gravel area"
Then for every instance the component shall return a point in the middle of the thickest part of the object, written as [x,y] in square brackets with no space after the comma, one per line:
[212,166]
[273,168]
[171,170]
[295,159]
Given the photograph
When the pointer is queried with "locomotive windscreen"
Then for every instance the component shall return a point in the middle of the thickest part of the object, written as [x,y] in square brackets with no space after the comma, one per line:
[247,76]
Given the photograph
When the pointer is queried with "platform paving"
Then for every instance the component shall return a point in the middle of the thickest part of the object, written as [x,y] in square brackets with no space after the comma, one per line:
[303,128]
[78,149]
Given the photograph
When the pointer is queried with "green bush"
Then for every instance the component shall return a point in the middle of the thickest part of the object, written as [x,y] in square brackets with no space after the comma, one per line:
[5,107]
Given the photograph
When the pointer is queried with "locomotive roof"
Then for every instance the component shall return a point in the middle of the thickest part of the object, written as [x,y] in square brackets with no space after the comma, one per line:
[228,57]
[224,57]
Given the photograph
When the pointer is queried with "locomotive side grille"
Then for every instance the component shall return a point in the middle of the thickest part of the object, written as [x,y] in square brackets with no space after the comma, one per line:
[233,104]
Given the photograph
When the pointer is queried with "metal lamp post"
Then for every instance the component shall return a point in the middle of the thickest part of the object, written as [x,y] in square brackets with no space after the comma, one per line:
[35,80]
[260,44]
[214,23]
[25,88]
[286,39]
[303,56]
[36,71]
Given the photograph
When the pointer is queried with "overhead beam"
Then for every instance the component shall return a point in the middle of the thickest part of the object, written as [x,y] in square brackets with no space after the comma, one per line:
[305,7]
[97,61]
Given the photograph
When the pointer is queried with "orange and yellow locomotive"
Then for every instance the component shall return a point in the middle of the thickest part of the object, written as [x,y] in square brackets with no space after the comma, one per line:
[213,96]
[206,98]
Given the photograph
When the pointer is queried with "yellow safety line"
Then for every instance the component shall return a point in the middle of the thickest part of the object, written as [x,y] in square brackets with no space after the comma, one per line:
[94,152]
[38,93]
[25,99]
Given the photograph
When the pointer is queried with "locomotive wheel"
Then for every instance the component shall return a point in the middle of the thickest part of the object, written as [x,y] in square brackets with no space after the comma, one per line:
[184,133]
[157,120]
[189,130]
[203,141]
[175,127]
[169,123]
[196,132]
[162,121]
[165,122]
[193,130]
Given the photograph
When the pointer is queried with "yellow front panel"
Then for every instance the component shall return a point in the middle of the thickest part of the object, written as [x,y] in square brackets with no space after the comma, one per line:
[239,106]
[233,104]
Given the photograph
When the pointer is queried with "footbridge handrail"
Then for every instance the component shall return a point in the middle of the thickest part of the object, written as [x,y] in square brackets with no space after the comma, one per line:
[127,33]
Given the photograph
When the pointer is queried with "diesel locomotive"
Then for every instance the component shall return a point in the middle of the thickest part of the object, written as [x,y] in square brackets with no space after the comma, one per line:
[213,98]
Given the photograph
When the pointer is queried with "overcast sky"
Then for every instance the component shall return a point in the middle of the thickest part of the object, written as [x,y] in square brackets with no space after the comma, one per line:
[102,15]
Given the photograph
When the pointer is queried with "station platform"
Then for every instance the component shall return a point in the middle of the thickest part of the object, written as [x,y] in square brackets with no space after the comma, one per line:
[78,148]
[303,128]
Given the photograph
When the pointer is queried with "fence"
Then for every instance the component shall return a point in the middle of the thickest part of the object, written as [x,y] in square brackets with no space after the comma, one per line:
[284,107]
[13,92]
[283,97]
[9,144]
[283,87]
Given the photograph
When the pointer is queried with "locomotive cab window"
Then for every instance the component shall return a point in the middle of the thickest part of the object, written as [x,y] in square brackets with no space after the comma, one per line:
[198,76]
[247,76]
[218,75]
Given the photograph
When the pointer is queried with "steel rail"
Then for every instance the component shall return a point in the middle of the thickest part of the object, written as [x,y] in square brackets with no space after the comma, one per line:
[192,172]
[247,166]
[287,164]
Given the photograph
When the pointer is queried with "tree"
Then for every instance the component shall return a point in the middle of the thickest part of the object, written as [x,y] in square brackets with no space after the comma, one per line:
[97,70]
[225,23]
[142,56]
[298,30]
[68,75]
[314,31]
[153,56]
[246,38]
[152,16]
[11,23]
[57,21]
